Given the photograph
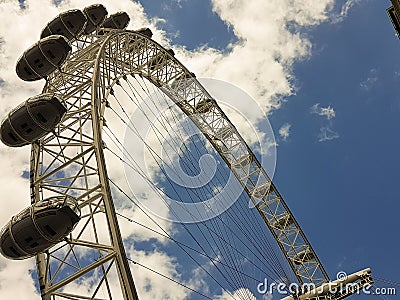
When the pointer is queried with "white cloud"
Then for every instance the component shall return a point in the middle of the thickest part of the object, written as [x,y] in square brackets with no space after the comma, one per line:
[328,112]
[151,286]
[15,282]
[327,134]
[284,131]
[261,60]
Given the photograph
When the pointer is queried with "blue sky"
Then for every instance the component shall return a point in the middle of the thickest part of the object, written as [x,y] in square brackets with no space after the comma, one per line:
[342,191]
[350,181]
[191,23]
[338,173]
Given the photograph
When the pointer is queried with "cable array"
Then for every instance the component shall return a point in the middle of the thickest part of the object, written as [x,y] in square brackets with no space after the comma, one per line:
[236,243]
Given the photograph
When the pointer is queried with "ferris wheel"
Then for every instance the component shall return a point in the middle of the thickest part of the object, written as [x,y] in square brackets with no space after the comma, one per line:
[71,226]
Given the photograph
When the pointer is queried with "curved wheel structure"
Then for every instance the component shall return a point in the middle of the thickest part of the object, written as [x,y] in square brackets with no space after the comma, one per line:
[193,99]
[70,161]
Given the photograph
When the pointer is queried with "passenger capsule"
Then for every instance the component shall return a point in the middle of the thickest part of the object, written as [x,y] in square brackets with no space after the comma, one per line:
[303,257]
[135,43]
[43,58]
[119,20]
[69,24]
[95,14]
[283,222]
[261,190]
[145,31]
[183,81]
[204,106]
[39,227]
[160,60]
[31,120]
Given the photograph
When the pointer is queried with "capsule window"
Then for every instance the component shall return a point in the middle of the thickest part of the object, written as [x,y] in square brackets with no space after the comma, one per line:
[26,128]
[51,55]
[41,118]
[27,71]
[34,245]
[50,230]
[12,136]
[93,16]
[70,24]
[13,250]
[29,239]
[38,63]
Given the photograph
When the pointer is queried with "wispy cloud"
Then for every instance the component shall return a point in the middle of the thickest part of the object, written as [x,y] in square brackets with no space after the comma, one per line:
[173,4]
[336,18]
[370,81]
[327,134]
[328,112]
[284,131]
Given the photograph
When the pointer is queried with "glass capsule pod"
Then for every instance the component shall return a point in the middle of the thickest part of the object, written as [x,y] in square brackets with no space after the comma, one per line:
[160,60]
[119,20]
[133,44]
[69,24]
[43,58]
[31,120]
[95,15]
[39,227]
[145,31]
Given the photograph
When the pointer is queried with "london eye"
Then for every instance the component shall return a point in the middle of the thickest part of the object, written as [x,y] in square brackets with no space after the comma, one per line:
[97,75]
